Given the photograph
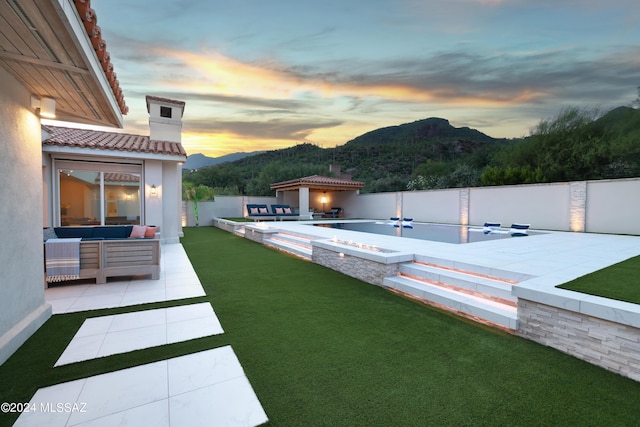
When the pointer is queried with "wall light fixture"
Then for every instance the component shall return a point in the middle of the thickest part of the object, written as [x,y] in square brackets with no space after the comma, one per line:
[46,105]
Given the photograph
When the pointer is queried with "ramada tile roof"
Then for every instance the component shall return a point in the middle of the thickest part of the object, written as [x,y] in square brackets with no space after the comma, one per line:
[319,182]
[84,138]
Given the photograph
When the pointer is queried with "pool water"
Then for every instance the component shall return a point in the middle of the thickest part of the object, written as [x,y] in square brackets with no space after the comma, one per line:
[423,231]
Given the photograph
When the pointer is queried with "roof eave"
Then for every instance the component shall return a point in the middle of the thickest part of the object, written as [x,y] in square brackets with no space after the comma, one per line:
[120,154]
[72,21]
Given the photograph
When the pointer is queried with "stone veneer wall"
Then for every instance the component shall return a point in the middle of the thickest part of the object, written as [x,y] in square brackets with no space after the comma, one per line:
[225,225]
[366,270]
[578,205]
[613,346]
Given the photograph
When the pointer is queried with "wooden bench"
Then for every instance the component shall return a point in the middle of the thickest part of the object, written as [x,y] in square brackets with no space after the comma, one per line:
[100,259]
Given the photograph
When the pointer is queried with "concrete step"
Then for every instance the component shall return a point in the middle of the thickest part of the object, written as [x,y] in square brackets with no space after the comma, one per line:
[476,308]
[297,245]
[475,283]
[507,275]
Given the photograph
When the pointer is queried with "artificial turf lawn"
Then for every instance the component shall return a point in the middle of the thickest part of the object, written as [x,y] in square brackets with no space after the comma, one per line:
[620,281]
[321,348]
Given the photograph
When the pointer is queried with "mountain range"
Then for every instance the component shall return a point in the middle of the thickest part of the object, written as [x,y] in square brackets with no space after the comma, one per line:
[578,144]
[197,161]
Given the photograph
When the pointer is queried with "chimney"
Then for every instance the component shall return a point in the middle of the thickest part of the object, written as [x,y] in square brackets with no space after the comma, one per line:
[165,119]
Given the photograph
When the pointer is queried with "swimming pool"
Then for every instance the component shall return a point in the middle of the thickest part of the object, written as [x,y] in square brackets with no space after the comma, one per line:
[425,231]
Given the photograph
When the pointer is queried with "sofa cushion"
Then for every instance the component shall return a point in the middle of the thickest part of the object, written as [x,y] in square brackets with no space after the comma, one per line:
[150,233]
[112,231]
[138,231]
[68,232]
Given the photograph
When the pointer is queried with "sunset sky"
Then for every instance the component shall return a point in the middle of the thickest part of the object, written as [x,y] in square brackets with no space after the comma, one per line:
[269,74]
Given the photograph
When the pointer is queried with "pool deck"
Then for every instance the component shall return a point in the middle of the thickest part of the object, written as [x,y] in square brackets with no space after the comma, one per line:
[555,256]
[552,258]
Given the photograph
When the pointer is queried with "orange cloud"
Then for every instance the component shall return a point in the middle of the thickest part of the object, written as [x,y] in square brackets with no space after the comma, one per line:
[221,75]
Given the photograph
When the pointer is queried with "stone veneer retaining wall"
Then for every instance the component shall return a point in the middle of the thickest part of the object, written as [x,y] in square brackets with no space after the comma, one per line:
[366,270]
[229,226]
[613,346]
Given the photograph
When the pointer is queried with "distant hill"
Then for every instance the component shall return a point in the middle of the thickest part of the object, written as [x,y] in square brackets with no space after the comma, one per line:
[426,129]
[390,158]
[197,161]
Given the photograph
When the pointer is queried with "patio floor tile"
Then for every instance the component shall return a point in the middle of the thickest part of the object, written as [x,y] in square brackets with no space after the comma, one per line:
[206,388]
[121,333]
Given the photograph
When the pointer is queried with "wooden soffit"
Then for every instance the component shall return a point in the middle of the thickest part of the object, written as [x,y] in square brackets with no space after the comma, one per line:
[54,48]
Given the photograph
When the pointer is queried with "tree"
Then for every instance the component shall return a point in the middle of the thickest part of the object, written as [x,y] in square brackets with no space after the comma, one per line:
[197,194]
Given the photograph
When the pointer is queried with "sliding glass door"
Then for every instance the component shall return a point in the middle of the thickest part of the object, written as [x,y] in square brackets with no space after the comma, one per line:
[98,193]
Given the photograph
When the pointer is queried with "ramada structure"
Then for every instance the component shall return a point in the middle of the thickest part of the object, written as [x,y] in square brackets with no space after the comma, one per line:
[54,63]
[316,192]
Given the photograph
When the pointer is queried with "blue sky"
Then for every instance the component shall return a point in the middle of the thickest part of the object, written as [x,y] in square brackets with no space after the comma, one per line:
[269,74]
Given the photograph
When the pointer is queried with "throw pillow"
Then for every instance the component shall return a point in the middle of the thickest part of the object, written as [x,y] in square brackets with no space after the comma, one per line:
[150,233]
[253,211]
[137,232]
[263,210]
[279,211]
[287,210]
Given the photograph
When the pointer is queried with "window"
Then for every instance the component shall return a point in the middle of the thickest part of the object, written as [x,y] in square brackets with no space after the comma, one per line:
[98,194]
[165,112]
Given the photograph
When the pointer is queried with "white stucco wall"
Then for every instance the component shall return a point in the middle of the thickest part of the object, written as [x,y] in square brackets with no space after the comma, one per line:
[606,206]
[376,206]
[22,305]
[153,214]
[442,206]
[544,206]
[613,206]
[171,202]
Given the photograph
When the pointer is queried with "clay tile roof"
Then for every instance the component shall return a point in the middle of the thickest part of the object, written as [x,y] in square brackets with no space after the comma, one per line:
[318,182]
[84,138]
[90,22]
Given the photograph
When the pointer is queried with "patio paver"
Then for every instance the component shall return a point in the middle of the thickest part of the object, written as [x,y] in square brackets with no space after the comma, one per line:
[107,335]
[208,388]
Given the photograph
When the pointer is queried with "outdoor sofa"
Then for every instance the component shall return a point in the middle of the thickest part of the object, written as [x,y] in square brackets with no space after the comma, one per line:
[111,251]
[278,212]
[258,211]
[284,212]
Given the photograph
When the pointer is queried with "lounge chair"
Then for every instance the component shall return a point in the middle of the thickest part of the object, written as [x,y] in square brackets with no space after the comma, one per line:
[394,221]
[407,222]
[519,230]
[333,213]
[491,227]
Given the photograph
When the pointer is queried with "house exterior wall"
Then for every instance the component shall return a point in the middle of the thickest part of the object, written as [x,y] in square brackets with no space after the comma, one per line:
[22,306]
[171,202]
[153,203]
